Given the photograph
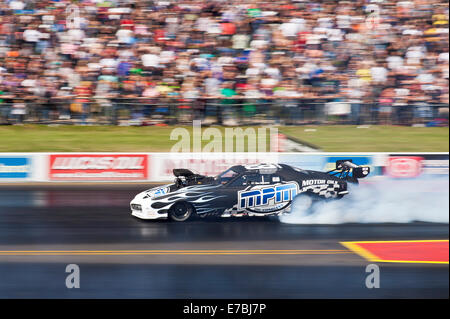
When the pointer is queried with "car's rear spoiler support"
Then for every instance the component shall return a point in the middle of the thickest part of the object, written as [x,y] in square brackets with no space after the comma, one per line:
[346,169]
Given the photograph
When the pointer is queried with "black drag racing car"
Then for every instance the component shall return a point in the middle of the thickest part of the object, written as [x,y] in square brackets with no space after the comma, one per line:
[245,190]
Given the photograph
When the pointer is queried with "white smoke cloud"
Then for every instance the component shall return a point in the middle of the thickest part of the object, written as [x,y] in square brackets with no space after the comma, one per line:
[382,201]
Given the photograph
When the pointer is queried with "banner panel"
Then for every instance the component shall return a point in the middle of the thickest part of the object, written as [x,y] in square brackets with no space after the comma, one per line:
[414,165]
[98,167]
[209,164]
[15,168]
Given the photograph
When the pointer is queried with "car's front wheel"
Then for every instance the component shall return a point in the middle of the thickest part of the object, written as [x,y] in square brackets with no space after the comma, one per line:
[180,211]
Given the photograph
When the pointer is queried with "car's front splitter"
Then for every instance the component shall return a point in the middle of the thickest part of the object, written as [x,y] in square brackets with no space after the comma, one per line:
[148,215]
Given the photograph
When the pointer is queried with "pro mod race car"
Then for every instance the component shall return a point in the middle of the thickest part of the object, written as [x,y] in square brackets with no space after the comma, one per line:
[244,190]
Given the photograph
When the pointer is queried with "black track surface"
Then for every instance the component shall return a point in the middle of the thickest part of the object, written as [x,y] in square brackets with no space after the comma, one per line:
[98,218]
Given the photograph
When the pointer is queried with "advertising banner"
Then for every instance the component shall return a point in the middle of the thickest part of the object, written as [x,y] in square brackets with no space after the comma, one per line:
[15,167]
[303,161]
[209,164]
[327,161]
[157,167]
[404,166]
[98,167]
[414,165]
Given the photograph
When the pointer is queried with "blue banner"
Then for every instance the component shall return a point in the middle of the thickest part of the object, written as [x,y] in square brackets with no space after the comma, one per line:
[15,167]
[325,162]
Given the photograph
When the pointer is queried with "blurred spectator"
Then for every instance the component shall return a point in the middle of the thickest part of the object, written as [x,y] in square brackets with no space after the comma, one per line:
[361,52]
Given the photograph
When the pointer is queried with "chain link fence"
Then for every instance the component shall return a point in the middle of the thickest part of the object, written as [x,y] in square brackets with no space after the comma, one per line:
[218,111]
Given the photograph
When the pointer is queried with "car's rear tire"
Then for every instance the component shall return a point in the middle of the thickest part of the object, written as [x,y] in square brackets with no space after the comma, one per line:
[180,212]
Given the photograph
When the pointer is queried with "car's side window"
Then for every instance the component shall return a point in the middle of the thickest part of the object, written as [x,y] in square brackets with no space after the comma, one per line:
[254,179]
[243,180]
[240,181]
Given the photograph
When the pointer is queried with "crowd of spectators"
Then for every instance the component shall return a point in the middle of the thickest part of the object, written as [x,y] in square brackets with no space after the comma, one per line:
[392,54]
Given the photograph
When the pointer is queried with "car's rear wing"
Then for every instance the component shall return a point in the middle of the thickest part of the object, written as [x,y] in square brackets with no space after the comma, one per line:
[182,172]
[346,169]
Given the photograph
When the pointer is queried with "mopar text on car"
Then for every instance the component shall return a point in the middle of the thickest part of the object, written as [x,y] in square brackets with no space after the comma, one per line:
[245,190]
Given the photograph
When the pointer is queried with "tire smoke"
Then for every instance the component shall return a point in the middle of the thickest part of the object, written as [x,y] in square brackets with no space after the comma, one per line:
[382,201]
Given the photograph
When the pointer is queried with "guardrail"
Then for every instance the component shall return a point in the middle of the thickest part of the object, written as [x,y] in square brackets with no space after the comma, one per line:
[222,111]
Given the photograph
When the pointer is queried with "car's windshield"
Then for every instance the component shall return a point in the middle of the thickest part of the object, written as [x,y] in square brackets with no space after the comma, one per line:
[226,176]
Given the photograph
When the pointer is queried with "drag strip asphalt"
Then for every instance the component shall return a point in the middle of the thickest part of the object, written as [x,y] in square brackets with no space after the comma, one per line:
[44,228]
